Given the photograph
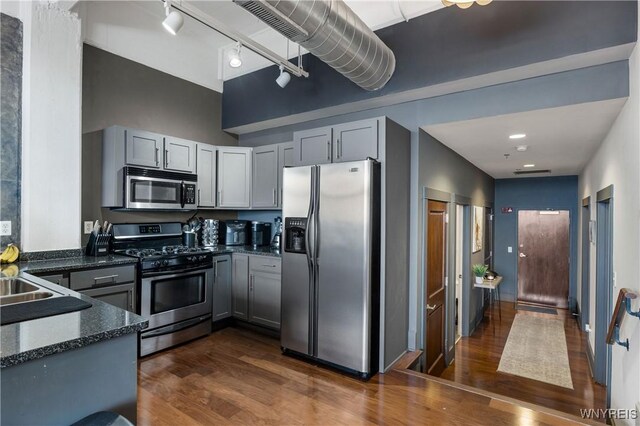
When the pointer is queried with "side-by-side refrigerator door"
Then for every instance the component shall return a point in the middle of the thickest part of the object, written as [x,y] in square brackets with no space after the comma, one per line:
[297,263]
[344,245]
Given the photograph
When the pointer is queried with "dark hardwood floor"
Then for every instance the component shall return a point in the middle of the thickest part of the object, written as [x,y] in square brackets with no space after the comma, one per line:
[236,376]
[477,358]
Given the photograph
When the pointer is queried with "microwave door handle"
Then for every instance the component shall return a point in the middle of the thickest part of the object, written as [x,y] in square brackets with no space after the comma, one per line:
[183,194]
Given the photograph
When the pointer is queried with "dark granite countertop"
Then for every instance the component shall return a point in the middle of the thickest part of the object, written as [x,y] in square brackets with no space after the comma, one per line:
[261,251]
[74,263]
[29,340]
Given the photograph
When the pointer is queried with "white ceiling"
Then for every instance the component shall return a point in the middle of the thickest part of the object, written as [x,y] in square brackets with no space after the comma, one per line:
[559,139]
[132,29]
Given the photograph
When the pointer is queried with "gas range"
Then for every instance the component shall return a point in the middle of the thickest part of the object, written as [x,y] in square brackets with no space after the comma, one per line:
[159,247]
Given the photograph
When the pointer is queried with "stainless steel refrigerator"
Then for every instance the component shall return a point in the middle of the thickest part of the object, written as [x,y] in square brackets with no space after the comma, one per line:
[330,264]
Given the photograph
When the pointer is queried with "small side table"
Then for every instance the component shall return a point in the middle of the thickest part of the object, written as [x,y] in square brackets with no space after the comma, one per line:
[494,287]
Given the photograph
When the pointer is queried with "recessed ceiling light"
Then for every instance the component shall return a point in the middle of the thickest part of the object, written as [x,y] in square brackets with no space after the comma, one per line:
[517,136]
[528,166]
[521,148]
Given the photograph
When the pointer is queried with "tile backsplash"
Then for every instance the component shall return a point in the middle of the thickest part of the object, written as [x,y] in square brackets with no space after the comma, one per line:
[11,125]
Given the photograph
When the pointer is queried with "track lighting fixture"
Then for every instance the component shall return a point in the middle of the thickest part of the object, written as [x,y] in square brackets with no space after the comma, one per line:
[284,78]
[174,20]
[235,60]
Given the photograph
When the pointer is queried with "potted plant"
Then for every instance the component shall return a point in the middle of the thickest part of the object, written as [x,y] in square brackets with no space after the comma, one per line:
[479,271]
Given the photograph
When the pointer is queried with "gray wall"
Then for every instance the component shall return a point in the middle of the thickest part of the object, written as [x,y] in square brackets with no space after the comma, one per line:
[556,193]
[443,46]
[442,169]
[11,125]
[119,91]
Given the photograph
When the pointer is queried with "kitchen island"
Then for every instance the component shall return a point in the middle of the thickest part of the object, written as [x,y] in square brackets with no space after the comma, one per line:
[59,369]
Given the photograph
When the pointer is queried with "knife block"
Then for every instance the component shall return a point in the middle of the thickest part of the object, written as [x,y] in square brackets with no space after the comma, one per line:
[98,245]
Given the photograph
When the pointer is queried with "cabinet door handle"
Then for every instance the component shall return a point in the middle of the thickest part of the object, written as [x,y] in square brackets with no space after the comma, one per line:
[130,293]
[157,162]
[112,278]
[166,158]
[270,266]
[198,196]
[340,147]
[338,151]
[219,198]
[250,282]
[328,150]
[274,197]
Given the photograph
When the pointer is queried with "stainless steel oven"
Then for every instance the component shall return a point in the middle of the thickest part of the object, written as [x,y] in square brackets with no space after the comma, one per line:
[177,304]
[158,189]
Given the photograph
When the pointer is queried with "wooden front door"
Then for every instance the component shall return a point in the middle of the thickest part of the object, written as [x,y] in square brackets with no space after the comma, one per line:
[543,258]
[435,287]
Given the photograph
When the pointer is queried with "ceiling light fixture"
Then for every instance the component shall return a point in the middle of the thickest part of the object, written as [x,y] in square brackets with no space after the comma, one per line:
[518,136]
[284,78]
[528,166]
[174,20]
[465,4]
[522,148]
[235,60]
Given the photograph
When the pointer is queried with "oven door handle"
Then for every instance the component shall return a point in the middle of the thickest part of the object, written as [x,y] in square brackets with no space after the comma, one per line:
[175,327]
[176,273]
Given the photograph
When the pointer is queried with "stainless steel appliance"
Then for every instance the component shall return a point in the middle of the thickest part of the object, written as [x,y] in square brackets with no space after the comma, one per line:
[175,283]
[158,190]
[330,264]
[260,234]
[238,233]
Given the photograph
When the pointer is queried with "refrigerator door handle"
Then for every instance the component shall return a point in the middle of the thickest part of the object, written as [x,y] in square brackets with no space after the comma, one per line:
[310,217]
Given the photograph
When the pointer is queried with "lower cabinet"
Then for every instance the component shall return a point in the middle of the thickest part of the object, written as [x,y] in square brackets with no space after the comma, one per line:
[256,289]
[222,306]
[121,296]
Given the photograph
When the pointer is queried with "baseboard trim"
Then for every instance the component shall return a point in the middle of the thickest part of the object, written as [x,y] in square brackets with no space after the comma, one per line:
[395,361]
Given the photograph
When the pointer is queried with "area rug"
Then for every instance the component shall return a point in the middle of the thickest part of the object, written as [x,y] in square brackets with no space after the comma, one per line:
[537,349]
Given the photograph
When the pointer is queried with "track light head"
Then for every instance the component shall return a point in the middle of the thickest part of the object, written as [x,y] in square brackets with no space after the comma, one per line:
[284,78]
[174,20]
[235,59]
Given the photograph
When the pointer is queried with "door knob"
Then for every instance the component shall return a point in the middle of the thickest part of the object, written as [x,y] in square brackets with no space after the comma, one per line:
[523,255]
[430,308]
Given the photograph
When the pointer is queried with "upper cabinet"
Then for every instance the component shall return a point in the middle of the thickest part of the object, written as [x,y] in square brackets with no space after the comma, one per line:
[286,158]
[265,189]
[234,177]
[142,148]
[353,141]
[312,146]
[179,155]
[206,170]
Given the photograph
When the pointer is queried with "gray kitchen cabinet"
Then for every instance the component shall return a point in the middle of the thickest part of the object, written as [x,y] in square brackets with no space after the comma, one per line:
[264,191]
[286,158]
[264,291]
[234,177]
[240,286]
[206,171]
[121,296]
[143,148]
[312,146]
[222,298]
[60,279]
[356,140]
[179,155]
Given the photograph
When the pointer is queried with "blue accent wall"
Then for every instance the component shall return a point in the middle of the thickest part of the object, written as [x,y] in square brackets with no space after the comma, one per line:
[439,47]
[555,193]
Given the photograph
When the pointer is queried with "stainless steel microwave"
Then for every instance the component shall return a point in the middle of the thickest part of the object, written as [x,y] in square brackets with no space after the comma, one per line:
[146,189]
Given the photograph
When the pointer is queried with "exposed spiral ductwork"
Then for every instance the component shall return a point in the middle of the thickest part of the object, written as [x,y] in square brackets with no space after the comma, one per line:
[330,30]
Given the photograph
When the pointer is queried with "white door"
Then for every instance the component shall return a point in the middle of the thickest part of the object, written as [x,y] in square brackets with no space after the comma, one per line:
[234,177]
[206,170]
[179,155]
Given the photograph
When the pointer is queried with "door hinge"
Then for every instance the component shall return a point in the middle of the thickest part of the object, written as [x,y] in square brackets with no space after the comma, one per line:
[446,218]
[446,281]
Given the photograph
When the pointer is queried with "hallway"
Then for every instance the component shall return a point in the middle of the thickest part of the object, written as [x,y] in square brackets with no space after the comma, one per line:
[477,358]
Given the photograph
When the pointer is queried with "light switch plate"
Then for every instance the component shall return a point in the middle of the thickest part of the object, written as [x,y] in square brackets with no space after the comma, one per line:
[88,226]
[5,227]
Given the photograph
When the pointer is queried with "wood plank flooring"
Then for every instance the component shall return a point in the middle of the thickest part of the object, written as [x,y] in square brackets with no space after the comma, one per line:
[477,358]
[236,376]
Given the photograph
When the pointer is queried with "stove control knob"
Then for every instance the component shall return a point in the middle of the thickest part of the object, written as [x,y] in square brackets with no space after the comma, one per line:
[165,262]
[202,257]
[156,263]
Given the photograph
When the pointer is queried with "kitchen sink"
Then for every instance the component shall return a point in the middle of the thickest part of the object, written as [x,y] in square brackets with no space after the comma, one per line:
[25,297]
[13,286]
[20,290]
